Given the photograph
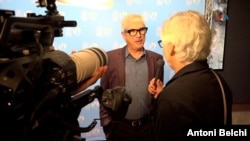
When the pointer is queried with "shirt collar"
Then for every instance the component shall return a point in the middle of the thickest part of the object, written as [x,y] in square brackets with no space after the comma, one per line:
[127,53]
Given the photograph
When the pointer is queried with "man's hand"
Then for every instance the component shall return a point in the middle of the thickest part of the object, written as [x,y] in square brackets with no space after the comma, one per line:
[155,90]
[90,81]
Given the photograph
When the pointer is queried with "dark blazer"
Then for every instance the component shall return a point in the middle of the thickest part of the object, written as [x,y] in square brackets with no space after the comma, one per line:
[192,98]
[115,75]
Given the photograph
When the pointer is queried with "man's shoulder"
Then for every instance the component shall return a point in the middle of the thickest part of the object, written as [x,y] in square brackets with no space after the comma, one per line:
[153,53]
[114,50]
[115,53]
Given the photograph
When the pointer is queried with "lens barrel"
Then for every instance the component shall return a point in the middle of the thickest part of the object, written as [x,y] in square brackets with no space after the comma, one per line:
[87,61]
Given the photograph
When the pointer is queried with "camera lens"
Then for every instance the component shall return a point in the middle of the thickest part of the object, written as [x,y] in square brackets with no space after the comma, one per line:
[87,61]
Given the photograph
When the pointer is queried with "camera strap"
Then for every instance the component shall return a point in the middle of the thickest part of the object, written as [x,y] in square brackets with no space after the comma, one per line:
[223,96]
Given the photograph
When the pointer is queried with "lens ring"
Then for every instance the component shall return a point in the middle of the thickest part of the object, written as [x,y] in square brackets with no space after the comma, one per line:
[100,55]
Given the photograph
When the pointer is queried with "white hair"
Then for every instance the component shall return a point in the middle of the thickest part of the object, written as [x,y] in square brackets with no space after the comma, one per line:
[191,35]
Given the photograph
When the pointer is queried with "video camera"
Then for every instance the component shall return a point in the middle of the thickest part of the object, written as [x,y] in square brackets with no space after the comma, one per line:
[37,81]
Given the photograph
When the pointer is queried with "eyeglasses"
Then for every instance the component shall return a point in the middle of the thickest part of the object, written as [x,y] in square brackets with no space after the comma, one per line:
[160,43]
[133,32]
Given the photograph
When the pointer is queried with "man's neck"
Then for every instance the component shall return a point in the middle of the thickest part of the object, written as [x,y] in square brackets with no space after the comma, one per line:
[136,53]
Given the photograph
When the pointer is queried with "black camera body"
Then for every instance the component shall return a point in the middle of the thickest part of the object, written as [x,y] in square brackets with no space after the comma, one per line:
[37,82]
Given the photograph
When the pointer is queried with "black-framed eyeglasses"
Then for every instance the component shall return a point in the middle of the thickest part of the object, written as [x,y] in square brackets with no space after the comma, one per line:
[133,32]
[160,43]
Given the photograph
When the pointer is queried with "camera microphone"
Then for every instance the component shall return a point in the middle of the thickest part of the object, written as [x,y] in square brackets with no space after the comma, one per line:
[160,64]
[87,61]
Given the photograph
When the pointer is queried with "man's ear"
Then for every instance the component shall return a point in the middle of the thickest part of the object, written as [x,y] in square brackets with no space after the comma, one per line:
[171,49]
[123,35]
